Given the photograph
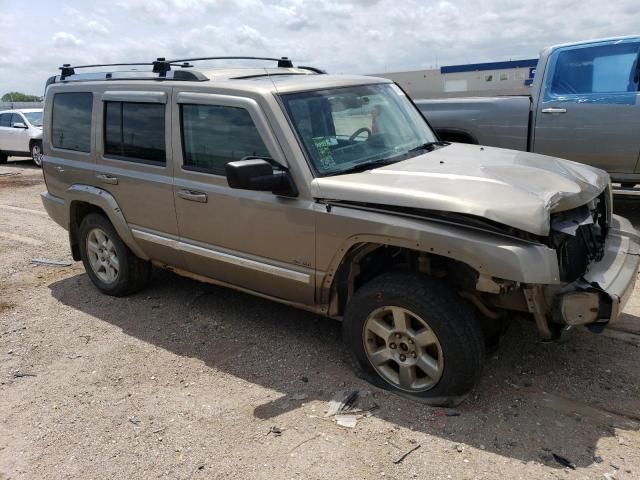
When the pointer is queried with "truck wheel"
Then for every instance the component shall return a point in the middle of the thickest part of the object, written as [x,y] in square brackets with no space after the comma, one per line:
[412,334]
[3,158]
[112,267]
[36,153]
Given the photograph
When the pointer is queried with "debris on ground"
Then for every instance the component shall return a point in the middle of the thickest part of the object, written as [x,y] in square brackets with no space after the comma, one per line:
[401,458]
[51,263]
[348,421]
[298,396]
[9,174]
[346,407]
[23,374]
[565,462]
[275,430]
[452,413]
[459,448]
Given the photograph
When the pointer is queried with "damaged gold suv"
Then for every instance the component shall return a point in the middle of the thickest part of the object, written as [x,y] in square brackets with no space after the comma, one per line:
[332,194]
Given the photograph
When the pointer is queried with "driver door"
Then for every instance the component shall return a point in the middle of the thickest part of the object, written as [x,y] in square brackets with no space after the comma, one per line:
[255,240]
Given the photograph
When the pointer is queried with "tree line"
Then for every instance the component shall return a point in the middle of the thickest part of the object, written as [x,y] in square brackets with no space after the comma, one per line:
[19,97]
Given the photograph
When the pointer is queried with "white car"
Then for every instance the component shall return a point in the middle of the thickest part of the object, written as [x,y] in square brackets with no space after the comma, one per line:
[21,134]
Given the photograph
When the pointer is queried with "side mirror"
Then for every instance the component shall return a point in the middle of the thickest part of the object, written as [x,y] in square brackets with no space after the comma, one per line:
[19,125]
[258,174]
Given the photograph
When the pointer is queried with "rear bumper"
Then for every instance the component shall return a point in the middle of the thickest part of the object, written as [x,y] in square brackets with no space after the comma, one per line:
[600,295]
[56,208]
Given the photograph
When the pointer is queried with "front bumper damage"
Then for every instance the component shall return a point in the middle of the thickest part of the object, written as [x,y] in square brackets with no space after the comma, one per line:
[599,296]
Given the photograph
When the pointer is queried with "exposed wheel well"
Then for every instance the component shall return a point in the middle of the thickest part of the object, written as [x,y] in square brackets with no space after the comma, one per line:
[79,210]
[454,135]
[32,141]
[366,261]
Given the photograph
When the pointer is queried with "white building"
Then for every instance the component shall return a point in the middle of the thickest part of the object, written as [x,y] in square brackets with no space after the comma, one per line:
[511,77]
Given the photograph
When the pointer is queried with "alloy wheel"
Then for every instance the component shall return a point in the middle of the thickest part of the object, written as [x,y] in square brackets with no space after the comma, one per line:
[403,349]
[103,256]
[36,154]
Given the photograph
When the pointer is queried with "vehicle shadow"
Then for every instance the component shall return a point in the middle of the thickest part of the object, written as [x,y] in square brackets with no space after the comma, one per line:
[533,399]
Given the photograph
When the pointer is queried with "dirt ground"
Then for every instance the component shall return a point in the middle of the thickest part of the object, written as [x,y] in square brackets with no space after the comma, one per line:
[185,380]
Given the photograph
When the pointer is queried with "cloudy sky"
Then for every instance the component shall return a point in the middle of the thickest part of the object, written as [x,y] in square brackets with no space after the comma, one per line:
[349,36]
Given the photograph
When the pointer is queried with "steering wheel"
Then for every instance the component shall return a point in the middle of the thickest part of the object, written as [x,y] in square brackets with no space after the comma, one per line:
[358,132]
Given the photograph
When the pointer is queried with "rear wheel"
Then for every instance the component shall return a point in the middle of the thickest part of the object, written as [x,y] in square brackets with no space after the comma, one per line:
[412,334]
[112,267]
[36,153]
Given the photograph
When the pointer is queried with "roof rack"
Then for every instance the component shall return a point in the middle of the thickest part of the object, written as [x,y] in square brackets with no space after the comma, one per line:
[160,69]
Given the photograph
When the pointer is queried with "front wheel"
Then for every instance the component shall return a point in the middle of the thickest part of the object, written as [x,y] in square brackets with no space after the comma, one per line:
[3,158]
[412,334]
[36,153]
[112,267]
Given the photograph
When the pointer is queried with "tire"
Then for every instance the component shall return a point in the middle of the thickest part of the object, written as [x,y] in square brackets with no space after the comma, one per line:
[3,158]
[36,153]
[99,243]
[443,335]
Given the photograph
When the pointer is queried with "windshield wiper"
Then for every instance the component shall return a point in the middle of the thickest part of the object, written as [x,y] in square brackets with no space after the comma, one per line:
[361,167]
[429,146]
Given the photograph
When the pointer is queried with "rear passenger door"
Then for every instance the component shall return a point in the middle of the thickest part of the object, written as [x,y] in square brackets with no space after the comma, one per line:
[134,164]
[589,109]
[255,240]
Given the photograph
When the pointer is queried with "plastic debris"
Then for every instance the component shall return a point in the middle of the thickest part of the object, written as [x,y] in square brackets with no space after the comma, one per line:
[52,263]
[275,430]
[565,462]
[348,421]
[348,406]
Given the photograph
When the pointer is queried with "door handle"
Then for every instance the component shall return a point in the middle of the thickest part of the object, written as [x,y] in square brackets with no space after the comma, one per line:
[104,178]
[193,196]
[554,110]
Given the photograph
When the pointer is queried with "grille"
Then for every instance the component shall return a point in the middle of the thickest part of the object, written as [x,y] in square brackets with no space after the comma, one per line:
[576,252]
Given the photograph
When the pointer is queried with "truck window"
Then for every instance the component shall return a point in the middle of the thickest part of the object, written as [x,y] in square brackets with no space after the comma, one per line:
[135,131]
[214,135]
[71,121]
[597,69]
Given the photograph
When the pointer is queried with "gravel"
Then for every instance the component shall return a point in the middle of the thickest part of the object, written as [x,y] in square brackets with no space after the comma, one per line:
[184,380]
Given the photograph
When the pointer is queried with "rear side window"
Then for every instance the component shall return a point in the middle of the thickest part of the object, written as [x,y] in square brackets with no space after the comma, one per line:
[212,136]
[71,122]
[5,119]
[135,131]
[597,69]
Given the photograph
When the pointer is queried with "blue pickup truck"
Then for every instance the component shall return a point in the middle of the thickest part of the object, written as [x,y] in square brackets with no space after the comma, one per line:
[584,106]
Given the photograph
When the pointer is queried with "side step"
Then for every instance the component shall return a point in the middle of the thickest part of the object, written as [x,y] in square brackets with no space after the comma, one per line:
[627,192]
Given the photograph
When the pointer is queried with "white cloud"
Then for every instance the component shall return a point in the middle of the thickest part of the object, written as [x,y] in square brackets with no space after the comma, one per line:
[64,39]
[341,36]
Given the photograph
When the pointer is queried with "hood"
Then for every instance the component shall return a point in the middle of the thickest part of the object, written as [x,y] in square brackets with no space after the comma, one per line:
[517,189]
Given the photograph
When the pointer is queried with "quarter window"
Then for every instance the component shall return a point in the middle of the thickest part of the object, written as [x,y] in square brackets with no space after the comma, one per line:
[71,122]
[135,131]
[212,136]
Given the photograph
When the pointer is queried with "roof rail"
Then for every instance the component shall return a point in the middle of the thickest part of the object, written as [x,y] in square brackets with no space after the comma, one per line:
[283,62]
[67,69]
[160,69]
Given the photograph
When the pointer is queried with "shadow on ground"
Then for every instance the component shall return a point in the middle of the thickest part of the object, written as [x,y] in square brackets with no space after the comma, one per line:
[529,403]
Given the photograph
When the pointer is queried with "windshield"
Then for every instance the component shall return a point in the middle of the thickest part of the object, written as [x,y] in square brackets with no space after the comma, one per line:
[343,128]
[34,118]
